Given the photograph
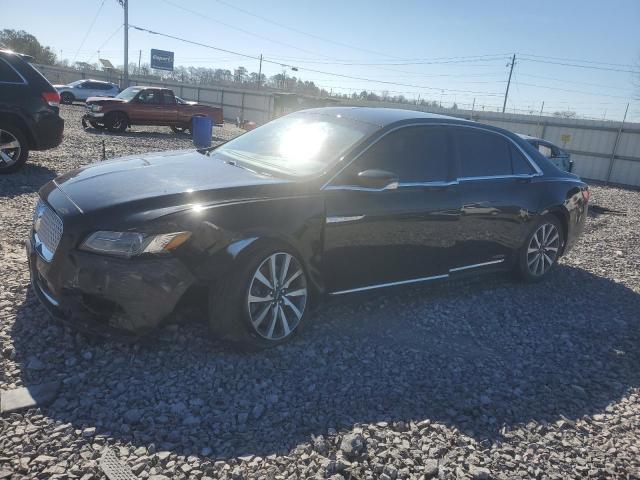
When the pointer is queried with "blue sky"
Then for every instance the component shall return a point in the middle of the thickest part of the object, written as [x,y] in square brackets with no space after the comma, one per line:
[324,35]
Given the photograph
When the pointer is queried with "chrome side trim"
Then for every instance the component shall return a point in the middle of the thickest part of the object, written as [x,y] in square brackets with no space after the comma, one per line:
[475,265]
[533,164]
[428,184]
[390,284]
[494,177]
[416,280]
[352,218]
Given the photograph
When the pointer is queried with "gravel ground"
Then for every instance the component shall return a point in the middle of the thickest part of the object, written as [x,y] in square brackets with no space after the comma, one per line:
[482,378]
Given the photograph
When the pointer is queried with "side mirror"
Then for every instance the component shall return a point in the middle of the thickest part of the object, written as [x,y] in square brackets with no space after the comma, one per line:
[378,179]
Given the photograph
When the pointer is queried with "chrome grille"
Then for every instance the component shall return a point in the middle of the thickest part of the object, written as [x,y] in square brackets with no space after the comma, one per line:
[47,227]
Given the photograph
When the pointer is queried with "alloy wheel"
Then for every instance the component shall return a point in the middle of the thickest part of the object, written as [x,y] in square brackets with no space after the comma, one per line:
[542,250]
[277,296]
[10,149]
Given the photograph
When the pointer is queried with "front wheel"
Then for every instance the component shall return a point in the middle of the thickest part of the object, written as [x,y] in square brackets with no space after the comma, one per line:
[264,303]
[117,122]
[14,148]
[541,250]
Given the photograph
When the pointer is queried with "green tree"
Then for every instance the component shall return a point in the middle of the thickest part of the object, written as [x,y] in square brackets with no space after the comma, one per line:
[23,42]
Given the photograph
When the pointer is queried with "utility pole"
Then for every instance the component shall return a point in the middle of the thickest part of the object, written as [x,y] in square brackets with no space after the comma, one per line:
[139,59]
[473,107]
[260,73]
[506,94]
[615,145]
[125,5]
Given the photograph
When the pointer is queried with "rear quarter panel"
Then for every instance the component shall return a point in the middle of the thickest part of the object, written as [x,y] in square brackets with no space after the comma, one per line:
[564,198]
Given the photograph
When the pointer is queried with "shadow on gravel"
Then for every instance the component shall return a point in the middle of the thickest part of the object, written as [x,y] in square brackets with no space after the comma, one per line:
[479,355]
[28,179]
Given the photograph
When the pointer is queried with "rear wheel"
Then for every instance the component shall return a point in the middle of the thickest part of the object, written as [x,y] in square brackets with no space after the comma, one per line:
[541,250]
[14,148]
[67,98]
[117,122]
[264,303]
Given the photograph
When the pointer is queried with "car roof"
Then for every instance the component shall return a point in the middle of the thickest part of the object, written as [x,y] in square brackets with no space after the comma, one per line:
[144,87]
[381,116]
[23,56]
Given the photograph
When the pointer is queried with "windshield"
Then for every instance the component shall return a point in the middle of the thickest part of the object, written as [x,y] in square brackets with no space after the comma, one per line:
[73,84]
[129,93]
[298,144]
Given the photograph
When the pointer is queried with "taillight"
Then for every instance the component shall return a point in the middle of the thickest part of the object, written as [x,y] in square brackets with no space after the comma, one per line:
[52,98]
[586,194]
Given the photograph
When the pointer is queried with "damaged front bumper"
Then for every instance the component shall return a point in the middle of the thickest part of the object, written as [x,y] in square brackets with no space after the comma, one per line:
[109,296]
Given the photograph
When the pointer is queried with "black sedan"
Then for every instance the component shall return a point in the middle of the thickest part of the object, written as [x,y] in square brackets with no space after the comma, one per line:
[318,203]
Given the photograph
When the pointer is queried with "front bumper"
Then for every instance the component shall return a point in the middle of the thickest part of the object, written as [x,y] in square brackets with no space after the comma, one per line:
[109,296]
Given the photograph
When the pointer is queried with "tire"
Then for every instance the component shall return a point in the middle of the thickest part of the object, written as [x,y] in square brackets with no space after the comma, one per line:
[246,312]
[116,122]
[96,125]
[14,148]
[541,249]
[67,98]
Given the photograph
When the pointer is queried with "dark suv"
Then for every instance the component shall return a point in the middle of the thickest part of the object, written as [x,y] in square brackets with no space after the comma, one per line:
[29,111]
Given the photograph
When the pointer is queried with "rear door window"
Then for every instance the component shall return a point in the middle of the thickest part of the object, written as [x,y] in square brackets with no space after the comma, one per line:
[482,153]
[8,74]
[519,163]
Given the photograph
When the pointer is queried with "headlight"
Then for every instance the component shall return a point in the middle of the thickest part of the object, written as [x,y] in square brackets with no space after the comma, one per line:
[131,244]
[96,108]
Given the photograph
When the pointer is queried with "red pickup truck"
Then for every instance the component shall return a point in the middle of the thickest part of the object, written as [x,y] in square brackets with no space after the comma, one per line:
[146,106]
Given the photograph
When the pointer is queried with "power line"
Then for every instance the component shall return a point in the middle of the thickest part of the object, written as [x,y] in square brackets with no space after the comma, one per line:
[579,66]
[436,61]
[334,74]
[579,61]
[106,41]
[247,32]
[572,81]
[574,91]
[302,32]
[89,30]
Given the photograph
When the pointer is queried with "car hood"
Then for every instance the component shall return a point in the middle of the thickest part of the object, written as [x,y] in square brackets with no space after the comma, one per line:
[167,180]
[105,100]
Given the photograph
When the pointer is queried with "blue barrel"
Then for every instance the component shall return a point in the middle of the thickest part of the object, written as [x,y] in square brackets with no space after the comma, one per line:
[202,131]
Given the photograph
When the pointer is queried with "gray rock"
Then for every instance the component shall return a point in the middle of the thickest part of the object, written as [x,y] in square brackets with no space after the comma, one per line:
[353,445]
[479,473]
[133,416]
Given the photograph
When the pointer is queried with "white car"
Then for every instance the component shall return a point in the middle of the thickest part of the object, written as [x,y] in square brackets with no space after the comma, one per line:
[83,89]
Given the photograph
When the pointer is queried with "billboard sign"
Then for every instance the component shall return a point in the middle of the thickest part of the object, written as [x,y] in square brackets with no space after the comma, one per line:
[161,60]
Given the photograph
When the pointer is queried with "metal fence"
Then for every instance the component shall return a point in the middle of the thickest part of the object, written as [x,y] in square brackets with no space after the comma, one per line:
[602,150]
